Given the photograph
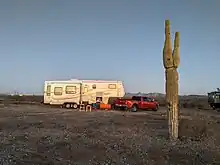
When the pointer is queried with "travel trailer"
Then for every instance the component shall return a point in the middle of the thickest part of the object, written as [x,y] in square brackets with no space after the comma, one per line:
[73,92]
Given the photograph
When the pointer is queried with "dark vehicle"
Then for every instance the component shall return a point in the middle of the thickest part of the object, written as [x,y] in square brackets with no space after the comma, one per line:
[136,103]
[214,99]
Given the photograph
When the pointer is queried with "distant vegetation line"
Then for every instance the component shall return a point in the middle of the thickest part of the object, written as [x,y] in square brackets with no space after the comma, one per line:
[127,94]
[187,101]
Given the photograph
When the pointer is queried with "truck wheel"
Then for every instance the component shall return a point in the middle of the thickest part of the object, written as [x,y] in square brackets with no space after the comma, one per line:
[155,109]
[75,106]
[213,106]
[134,108]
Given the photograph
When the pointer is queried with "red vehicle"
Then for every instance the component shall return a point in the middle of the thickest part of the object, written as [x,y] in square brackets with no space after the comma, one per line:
[135,103]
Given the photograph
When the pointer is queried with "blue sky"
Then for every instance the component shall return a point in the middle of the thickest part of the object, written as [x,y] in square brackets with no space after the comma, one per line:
[99,39]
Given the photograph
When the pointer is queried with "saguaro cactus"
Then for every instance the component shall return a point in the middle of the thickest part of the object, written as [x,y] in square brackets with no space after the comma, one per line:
[171,61]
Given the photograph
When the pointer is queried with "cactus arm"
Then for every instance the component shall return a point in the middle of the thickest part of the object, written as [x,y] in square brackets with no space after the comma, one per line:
[167,50]
[176,50]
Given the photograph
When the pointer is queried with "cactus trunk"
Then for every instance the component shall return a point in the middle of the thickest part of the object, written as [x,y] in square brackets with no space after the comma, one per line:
[171,61]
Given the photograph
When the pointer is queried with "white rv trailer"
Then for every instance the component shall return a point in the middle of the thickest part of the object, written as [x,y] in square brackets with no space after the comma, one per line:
[72,92]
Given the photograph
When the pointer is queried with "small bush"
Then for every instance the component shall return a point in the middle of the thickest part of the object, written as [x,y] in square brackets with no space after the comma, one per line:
[188,102]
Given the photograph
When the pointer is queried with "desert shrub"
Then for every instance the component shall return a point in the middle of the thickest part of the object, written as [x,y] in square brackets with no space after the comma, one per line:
[200,106]
[23,99]
[188,102]
[194,130]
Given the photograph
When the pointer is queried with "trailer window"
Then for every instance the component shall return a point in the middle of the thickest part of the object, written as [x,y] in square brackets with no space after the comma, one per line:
[58,91]
[70,89]
[85,89]
[112,86]
[48,92]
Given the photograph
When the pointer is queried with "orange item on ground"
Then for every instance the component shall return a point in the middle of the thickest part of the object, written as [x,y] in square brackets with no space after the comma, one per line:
[105,106]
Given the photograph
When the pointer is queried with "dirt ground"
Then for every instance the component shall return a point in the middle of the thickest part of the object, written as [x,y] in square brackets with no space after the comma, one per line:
[38,135]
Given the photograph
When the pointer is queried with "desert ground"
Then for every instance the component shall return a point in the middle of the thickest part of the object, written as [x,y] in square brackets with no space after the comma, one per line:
[38,135]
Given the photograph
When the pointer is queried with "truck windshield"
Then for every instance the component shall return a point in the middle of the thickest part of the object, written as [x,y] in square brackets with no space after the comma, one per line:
[215,95]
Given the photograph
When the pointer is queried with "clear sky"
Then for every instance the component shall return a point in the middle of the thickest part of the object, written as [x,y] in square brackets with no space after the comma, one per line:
[107,39]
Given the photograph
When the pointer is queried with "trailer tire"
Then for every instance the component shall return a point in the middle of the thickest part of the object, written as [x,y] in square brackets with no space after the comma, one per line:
[67,105]
[75,106]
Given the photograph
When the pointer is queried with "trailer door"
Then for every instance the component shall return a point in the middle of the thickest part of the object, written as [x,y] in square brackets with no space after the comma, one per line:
[47,94]
[120,90]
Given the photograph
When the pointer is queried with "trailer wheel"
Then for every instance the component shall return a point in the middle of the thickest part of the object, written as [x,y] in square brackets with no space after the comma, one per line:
[67,105]
[75,106]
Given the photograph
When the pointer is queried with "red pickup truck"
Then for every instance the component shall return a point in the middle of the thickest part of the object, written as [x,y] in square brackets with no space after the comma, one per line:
[135,103]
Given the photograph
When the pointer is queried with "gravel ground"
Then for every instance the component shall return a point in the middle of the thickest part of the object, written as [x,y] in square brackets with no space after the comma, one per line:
[39,135]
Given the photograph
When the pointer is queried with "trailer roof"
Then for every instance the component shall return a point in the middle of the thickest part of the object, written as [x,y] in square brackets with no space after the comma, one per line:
[64,81]
[101,81]
[83,81]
